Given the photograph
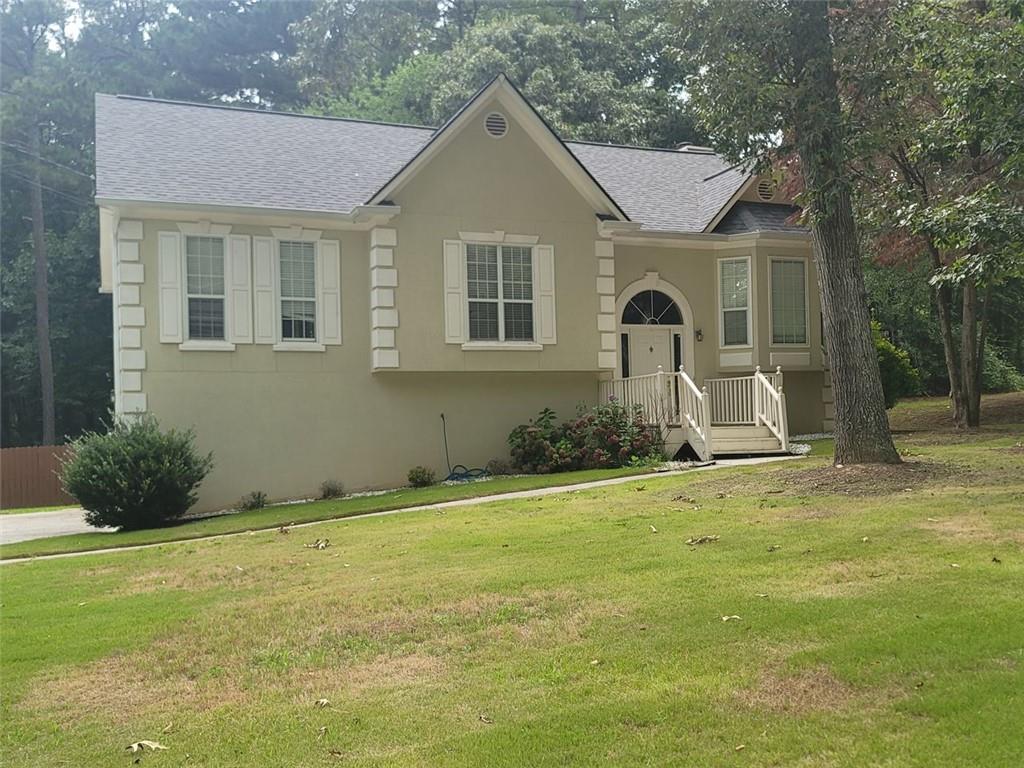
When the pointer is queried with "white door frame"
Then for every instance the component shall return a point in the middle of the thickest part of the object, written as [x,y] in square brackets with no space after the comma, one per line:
[653,281]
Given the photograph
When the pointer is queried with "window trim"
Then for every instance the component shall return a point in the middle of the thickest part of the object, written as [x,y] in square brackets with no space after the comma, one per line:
[749,308]
[188,344]
[807,305]
[500,343]
[282,344]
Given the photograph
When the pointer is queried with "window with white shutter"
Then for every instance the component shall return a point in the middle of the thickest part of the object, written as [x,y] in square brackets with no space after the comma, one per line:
[204,287]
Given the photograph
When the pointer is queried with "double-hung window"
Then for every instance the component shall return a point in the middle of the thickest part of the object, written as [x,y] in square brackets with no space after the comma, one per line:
[500,291]
[789,301]
[204,266]
[297,270]
[734,300]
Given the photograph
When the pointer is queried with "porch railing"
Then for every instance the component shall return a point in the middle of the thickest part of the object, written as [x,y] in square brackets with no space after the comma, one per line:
[674,400]
[695,408]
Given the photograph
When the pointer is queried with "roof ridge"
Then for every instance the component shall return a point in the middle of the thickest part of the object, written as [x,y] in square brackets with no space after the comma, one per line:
[277,112]
[637,146]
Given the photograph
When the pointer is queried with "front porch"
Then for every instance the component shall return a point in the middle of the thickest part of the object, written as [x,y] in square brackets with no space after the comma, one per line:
[726,416]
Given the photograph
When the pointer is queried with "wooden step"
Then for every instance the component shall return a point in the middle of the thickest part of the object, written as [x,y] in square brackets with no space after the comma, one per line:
[745,445]
[742,432]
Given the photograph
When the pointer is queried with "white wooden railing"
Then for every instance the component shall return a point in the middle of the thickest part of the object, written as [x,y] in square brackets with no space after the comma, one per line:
[770,405]
[654,393]
[670,400]
[695,409]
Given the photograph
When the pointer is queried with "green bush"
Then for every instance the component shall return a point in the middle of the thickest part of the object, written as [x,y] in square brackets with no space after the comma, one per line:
[332,489]
[899,377]
[135,476]
[252,501]
[421,477]
[997,375]
[608,435]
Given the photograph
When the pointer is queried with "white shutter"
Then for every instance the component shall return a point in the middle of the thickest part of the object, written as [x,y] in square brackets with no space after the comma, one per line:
[265,313]
[239,279]
[544,295]
[328,291]
[454,293]
[169,285]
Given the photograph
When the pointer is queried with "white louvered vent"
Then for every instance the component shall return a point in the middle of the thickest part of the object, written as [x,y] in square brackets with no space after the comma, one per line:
[496,125]
[766,189]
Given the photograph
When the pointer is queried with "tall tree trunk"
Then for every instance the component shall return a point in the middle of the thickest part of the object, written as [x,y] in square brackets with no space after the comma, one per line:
[942,294]
[42,291]
[972,340]
[861,425]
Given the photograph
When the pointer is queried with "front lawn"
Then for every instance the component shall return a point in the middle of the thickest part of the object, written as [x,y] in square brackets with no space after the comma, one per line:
[843,617]
[287,514]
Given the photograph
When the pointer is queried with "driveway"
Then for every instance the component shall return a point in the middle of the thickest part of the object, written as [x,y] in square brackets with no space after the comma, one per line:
[39,525]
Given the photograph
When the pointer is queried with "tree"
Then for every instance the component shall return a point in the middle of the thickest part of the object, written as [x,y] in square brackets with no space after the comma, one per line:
[767,87]
[935,92]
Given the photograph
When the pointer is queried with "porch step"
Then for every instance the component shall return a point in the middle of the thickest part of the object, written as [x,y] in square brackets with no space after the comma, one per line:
[740,432]
[727,445]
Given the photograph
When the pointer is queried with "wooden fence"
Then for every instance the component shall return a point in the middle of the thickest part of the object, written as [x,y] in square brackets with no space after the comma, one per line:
[28,477]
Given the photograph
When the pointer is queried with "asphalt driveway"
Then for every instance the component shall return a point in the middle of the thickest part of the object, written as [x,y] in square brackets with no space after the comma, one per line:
[39,525]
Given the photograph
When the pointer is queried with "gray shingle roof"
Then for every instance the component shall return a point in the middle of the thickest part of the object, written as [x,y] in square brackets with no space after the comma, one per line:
[158,151]
[186,153]
[758,217]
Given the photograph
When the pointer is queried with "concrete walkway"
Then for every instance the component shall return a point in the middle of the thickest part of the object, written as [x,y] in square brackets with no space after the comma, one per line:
[40,525]
[534,493]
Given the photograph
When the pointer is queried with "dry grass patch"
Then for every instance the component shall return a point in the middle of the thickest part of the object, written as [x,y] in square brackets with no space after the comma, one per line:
[972,528]
[806,691]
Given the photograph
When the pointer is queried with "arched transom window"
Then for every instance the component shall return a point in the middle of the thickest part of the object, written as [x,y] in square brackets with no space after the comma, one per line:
[651,307]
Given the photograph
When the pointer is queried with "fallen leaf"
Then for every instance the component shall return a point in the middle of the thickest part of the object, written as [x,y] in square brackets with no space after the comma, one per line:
[705,539]
[239,568]
[167,728]
[954,565]
[774,547]
[731,618]
[142,746]
[865,538]
[740,747]
[639,487]
[318,544]
[761,594]
[322,703]
[653,529]
[321,733]
[485,719]
[932,520]
[594,662]
[996,560]
[284,529]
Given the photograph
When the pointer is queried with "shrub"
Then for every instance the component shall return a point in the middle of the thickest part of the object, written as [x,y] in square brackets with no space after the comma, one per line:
[998,375]
[421,477]
[332,489]
[608,435]
[498,467]
[899,377]
[533,444]
[252,501]
[134,475]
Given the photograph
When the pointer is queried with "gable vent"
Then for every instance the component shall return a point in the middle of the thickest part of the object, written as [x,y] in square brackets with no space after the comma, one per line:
[766,189]
[496,125]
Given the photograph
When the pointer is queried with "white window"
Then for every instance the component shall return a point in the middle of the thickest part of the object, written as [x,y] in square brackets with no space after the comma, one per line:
[297,270]
[499,283]
[734,301]
[204,271]
[789,301]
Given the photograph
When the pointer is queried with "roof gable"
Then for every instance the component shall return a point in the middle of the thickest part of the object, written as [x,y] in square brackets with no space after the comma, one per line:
[501,91]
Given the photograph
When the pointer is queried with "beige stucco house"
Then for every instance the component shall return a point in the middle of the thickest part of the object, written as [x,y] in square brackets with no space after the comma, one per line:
[311,294]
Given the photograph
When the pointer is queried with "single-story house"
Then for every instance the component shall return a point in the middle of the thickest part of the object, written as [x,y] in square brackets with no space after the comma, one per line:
[310,294]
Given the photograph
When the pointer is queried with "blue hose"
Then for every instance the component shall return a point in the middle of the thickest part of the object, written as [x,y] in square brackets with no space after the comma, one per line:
[460,472]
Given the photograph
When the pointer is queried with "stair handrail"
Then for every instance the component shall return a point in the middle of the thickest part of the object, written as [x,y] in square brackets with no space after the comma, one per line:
[695,411]
[770,406]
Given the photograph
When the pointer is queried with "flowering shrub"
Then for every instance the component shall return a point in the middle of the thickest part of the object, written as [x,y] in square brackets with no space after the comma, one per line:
[608,435]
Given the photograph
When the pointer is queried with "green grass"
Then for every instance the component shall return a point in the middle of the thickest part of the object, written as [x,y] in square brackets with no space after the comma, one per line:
[284,514]
[574,629]
[23,510]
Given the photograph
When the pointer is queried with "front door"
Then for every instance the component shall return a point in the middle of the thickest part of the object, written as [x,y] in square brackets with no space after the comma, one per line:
[649,347]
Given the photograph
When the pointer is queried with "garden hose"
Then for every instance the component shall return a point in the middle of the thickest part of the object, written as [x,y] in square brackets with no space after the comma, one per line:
[460,472]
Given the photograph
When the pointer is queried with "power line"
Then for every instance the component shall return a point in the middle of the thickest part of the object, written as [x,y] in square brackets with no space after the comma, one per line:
[57,192]
[68,168]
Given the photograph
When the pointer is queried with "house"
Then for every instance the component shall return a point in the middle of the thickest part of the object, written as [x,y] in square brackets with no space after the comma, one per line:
[310,294]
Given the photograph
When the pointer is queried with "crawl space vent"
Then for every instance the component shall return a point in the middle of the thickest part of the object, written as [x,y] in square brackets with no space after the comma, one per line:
[766,189]
[496,125]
